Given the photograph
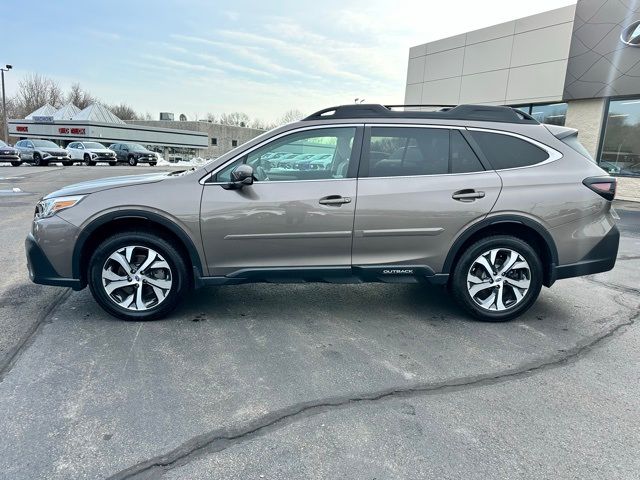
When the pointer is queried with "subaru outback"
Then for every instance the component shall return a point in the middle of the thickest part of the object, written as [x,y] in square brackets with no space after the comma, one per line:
[484,200]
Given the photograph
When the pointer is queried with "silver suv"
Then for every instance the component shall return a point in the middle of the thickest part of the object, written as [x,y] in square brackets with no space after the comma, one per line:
[484,200]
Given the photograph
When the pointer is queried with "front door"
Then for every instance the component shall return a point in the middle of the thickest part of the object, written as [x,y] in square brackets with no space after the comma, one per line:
[293,216]
[418,188]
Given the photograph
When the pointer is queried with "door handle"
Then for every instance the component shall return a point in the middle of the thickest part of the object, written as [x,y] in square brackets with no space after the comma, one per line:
[334,200]
[468,195]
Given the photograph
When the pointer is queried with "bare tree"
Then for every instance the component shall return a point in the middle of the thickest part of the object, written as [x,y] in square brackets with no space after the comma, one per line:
[34,91]
[211,118]
[291,116]
[124,112]
[79,97]
[238,119]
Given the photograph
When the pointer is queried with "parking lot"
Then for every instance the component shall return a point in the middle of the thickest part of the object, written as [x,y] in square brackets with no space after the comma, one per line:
[371,381]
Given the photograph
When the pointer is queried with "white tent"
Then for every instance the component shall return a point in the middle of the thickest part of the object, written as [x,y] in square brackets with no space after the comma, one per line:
[44,111]
[67,112]
[97,113]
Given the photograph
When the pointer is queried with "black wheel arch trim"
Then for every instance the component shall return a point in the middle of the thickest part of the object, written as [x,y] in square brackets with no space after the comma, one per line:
[508,219]
[132,214]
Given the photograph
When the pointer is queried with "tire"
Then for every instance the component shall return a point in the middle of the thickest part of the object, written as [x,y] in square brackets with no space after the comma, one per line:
[67,164]
[88,162]
[113,164]
[504,299]
[152,164]
[176,273]
[132,161]
[16,163]
[37,160]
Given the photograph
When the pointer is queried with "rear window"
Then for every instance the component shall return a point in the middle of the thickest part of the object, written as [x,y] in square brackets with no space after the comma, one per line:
[506,151]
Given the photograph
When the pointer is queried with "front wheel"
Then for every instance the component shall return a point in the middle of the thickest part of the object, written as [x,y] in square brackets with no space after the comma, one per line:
[137,276]
[497,278]
[133,161]
[37,160]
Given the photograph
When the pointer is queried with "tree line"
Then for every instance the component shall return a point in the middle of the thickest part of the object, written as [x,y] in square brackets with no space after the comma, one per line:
[35,90]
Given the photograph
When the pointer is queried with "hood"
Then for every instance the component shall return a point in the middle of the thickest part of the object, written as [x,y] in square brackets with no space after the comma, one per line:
[93,186]
[99,150]
[53,151]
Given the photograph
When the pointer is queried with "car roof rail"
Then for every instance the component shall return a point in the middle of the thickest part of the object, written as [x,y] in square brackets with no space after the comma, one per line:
[486,113]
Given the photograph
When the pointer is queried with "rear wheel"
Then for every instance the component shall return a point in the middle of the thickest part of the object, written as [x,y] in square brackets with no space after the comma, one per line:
[16,164]
[137,276]
[152,164]
[113,164]
[67,163]
[497,278]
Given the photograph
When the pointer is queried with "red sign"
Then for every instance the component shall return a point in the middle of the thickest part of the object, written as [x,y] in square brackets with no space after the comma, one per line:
[63,130]
[22,128]
[77,131]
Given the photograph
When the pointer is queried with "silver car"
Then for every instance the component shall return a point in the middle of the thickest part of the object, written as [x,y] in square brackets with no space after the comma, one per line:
[484,200]
[42,152]
[91,153]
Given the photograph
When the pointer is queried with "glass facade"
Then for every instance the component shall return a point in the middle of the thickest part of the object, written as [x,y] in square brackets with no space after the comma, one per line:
[552,113]
[620,153]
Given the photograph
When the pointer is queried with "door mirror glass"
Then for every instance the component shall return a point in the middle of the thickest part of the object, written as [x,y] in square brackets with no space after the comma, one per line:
[241,176]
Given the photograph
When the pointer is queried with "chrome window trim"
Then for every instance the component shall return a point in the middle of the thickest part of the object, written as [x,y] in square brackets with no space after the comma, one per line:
[203,180]
[553,153]
[414,125]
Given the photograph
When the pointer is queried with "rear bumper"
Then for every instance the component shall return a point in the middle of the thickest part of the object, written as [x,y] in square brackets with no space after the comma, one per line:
[40,269]
[600,258]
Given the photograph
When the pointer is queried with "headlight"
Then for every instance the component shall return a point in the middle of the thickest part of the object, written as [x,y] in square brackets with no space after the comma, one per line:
[51,206]
[45,155]
[94,155]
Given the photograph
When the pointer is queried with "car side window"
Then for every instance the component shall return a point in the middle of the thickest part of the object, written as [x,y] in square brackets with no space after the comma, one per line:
[506,151]
[29,145]
[463,159]
[318,154]
[19,144]
[407,151]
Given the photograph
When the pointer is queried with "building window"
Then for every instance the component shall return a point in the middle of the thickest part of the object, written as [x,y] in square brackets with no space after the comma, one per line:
[553,114]
[621,146]
[214,141]
[234,143]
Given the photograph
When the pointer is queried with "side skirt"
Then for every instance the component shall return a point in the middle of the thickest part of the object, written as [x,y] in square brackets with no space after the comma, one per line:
[354,274]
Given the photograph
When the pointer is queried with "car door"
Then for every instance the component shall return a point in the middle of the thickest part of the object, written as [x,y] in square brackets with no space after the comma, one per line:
[418,187]
[29,149]
[72,148]
[288,219]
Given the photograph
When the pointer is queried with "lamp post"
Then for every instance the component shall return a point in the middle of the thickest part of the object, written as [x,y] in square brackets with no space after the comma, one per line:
[4,105]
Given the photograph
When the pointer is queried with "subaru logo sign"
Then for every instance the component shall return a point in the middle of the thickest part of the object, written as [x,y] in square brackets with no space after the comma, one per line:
[631,34]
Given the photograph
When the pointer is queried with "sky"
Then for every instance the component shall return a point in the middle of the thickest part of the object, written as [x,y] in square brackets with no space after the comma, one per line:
[258,57]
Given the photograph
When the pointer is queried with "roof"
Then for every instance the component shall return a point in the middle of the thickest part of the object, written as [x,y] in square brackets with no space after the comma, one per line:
[67,112]
[485,113]
[45,111]
[97,113]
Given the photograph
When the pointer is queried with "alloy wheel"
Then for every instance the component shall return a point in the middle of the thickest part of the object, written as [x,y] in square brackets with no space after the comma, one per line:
[136,278]
[498,279]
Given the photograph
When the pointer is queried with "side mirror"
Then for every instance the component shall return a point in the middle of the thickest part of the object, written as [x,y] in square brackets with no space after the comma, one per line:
[241,176]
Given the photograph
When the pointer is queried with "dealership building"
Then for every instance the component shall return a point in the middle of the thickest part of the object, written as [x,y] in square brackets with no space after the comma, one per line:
[577,66]
[173,139]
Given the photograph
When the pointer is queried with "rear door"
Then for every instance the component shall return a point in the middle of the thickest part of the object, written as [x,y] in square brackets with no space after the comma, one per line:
[418,187]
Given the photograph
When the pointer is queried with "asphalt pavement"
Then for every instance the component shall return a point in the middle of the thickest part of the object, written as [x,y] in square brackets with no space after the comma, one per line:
[314,381]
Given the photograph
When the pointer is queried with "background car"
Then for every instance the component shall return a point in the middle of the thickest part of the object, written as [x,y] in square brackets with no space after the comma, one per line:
[9,154]
[134,153]
[91,153]
[42,152]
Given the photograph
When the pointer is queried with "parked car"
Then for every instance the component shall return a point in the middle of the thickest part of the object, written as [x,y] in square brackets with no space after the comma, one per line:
[91,153]
[9,154]
[42,152]
[489,202]
[133,153]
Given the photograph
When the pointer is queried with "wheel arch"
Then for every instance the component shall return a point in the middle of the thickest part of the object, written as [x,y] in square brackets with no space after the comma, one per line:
[114,222]
[522,227]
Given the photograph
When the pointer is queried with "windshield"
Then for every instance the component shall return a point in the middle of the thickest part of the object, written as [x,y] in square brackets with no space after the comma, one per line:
[134,147]
[2,144]
[45,144]
[93,145]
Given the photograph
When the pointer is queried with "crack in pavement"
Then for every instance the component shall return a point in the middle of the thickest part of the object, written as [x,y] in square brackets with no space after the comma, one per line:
[10,359]
[221,439]
[613,286]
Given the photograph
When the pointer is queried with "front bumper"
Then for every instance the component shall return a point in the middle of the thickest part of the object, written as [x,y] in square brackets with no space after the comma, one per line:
[40,269]
[9,158]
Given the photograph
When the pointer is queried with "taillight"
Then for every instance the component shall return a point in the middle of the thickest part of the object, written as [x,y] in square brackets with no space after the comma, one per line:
[603,186]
